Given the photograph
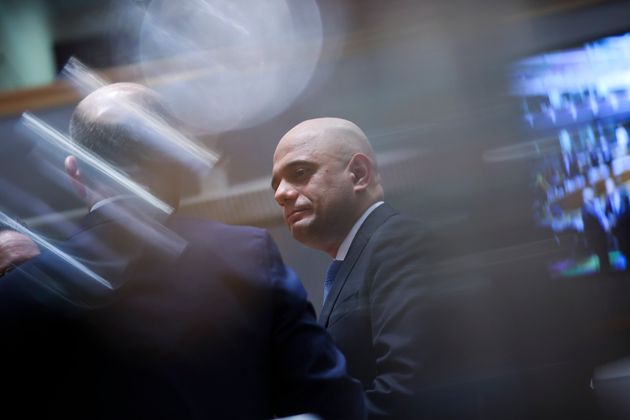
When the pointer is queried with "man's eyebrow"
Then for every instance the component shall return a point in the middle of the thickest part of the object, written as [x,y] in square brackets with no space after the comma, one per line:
[288,166]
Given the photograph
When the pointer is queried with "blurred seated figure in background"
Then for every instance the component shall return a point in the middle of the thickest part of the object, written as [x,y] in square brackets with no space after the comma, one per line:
[595,228]
[618,213]
[219,329]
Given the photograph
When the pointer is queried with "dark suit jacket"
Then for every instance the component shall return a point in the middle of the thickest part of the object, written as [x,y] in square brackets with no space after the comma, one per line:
[374,312]
[220,330]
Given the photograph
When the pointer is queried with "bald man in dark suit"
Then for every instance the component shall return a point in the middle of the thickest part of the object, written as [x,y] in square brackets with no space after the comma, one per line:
[378,287]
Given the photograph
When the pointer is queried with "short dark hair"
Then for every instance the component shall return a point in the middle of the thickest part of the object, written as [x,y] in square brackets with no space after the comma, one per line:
[128,136]
[124,142]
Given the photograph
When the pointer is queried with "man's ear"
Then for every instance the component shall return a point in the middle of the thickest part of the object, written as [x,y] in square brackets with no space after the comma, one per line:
[72,169]
[361,171]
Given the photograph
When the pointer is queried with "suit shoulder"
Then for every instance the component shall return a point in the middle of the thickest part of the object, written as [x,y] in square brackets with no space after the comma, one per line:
[403,243]
[398,230]
[250,246]
[212,231]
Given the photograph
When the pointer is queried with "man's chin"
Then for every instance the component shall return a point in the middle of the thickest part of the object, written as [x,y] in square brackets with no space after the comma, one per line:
[300,230]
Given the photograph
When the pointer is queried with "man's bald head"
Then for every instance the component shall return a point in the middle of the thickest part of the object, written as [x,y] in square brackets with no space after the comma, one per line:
[334,136]
[106,104]
[112,123]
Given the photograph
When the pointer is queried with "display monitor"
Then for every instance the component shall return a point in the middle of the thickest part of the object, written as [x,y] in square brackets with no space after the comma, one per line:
[576,116]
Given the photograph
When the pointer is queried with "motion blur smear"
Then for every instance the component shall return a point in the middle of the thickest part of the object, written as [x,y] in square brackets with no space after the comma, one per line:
[496,122]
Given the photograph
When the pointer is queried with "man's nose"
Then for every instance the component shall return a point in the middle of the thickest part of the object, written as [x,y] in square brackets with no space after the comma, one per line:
[285,192]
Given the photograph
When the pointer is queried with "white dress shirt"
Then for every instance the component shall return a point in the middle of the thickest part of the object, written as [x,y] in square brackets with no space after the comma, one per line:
[345,245]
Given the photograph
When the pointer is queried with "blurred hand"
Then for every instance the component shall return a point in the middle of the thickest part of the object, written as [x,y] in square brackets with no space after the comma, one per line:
[15,248]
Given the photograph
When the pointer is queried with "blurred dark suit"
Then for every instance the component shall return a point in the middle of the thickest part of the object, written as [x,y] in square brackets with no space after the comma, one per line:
[223,330]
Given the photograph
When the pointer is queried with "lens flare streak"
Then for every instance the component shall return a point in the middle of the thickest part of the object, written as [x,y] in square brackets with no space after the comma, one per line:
[87,81]
[49,134]
[43,243]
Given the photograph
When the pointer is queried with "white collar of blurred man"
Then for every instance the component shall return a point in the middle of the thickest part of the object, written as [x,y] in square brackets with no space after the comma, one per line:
[109,200]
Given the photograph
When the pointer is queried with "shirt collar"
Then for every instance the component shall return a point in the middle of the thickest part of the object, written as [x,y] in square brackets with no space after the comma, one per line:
[345,245]
[107,200]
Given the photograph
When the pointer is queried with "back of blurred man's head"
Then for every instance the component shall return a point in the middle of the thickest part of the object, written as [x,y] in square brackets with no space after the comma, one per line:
[123,123]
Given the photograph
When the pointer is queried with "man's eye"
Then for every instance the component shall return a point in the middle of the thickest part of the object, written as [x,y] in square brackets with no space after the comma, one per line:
[300,174]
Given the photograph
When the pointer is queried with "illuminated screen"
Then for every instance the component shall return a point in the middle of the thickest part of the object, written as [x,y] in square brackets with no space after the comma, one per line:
[576,113]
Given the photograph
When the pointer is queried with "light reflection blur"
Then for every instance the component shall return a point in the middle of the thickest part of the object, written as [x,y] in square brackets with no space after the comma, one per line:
[64,257]
[236,63]
[49,134]
[492,171]
[161,134]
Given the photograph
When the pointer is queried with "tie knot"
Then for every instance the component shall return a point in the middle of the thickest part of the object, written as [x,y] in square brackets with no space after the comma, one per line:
[330,276]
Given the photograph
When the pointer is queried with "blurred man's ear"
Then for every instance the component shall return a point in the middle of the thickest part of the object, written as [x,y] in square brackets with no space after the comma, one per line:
[72,169]
[361,169]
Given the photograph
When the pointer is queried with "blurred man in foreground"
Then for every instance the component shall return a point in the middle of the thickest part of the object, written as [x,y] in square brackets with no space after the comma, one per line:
[326,180]
[218,329]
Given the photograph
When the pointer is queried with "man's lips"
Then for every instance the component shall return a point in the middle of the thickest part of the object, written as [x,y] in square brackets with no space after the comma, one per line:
[296,215]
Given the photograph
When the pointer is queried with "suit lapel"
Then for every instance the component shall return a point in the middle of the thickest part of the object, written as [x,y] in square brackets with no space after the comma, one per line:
[374,220]
[93,219]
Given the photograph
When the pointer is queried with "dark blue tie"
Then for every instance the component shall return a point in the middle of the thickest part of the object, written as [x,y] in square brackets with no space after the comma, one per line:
[330,276]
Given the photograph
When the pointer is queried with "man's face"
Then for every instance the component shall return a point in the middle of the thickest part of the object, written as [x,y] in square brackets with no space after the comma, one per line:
[314,188]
